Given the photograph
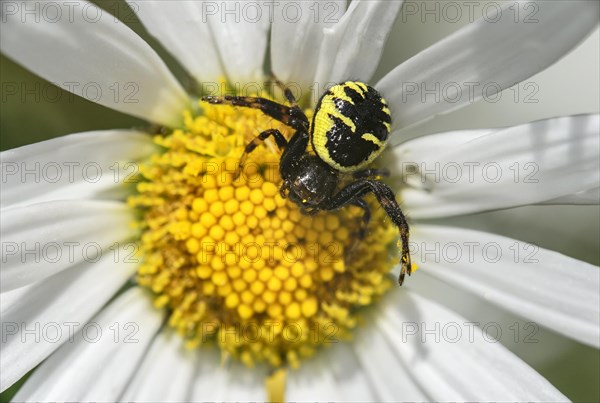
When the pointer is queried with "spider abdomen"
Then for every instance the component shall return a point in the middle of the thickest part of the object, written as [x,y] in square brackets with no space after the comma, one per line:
[351,126]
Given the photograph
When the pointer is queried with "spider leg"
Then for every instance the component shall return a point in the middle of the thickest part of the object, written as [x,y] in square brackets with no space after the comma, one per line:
[356,190]
[289,116]
[366,218]
[286,91]
[295,149]
[279,139]
[371,173]
[284,189]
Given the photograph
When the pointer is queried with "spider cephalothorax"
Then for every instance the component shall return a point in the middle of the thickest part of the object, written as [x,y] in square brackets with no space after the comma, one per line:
[350,128]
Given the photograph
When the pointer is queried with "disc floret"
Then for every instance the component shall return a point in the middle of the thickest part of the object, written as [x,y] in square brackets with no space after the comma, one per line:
[236,264]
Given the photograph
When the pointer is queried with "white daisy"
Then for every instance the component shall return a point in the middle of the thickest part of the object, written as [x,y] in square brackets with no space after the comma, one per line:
[66,254]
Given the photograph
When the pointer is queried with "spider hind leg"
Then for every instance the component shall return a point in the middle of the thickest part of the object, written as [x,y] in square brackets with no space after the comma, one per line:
[366,218]
[386,198]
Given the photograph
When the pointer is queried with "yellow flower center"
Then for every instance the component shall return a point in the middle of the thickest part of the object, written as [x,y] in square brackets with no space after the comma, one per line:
[236,264]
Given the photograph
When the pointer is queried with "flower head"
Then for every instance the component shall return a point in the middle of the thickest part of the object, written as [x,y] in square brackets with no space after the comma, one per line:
[230,256]
[228,261]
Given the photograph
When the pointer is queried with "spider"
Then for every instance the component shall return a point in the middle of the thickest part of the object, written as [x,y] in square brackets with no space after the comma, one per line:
[350,128]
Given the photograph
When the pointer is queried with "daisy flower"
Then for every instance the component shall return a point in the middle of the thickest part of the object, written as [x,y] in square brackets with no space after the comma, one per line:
[136,266]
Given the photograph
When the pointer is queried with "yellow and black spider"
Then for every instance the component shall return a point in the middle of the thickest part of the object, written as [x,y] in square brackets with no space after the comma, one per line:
[350,128]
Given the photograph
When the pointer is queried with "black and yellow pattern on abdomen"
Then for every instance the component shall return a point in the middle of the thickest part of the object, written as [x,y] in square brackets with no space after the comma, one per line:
[351,126]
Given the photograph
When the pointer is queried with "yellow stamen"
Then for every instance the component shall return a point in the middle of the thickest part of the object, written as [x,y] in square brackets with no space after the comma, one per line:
[237,265]
[275,385]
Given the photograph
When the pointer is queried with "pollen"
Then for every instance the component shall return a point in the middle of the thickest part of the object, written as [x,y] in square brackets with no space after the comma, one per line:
[235,264]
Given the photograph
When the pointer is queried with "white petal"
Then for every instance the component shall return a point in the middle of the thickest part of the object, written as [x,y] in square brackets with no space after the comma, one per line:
[314,382]
[590,196]
[43,239]
[353,380]
[38,319]
[503,168]
[363,369]
[87,51]
[451,359]
[99,362]
[534,344]
[487,56]
[78,166]
[182,29]
[294,35]
[12,299]
[437,143]
[227,382]
[553,290]
[245,384]
[240,33]
[166,374]
[211,378]
[351,49]
[389,376]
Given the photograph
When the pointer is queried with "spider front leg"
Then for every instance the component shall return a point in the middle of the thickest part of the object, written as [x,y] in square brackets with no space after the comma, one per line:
[385,196]
[293,116]
[279,139]
[371,173]
[286,91]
